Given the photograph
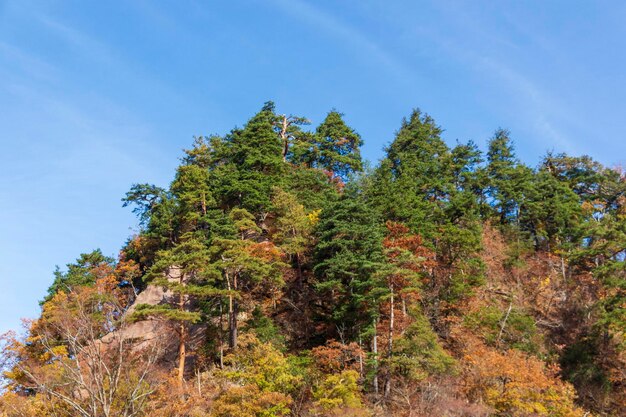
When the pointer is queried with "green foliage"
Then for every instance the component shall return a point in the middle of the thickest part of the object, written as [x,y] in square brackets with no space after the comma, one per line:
[185,271]
[283,224]
[552,212]
[312,187]
[507,177]
[418,353]
[439,194]
[337,146]
[293,227]
[580,363]
[417,168]
[347,256]
[260,364]
[265,329]
[83,272]
[518,332]
[250,164]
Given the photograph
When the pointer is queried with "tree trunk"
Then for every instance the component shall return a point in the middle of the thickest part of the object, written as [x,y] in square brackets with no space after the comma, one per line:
[360,356]
[403,307]
[182,353]
[233,309]
[221,334]
[375,352]
[285,138]
[506,317]
[390,347]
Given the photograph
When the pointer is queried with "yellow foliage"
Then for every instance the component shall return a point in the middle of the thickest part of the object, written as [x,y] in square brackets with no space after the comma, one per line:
[337,393]
[259,364]
[314,216]
[249,401]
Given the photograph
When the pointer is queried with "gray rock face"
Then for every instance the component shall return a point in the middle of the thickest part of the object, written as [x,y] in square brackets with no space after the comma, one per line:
[154,333]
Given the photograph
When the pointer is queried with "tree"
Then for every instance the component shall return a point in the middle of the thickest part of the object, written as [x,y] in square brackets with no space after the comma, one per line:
[407,260]
[261,381]
[188,275]
[339,394]
[76,360]
[246,265]
[509,180]
[334,148]
[414,180]
[518,385]
[249,163]
[582,174]
[552,213]
[84,272]
[293,227]
[435,192]
[289,131]
[155,208]
[347,256]
[338,146]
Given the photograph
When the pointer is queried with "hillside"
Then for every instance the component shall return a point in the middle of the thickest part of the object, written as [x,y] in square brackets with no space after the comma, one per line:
[280,275]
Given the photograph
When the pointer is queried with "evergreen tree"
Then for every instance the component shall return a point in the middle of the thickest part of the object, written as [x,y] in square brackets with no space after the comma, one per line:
[249,164]
[436,192]
[334,147]
[288,128]
[156,209]
[552,213]
[347,257]
[509,180]
[415,178]
[84,272]
[188,275]
[583,175]
[247,267]
[338,146]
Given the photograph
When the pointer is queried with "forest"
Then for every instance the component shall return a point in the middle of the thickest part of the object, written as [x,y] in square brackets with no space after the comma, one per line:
[280,274]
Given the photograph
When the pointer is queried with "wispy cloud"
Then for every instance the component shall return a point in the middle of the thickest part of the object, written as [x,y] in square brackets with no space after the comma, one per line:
[28,64]
[484,51]
[536,101]
[329,24]
[86,45]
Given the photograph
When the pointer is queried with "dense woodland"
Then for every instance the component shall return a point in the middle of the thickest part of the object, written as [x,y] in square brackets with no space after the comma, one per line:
[299,281]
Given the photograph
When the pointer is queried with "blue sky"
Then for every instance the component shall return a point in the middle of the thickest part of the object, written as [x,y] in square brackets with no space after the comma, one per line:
[96,96]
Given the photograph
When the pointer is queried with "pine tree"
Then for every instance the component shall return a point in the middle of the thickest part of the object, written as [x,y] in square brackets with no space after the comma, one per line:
[551,213]
[247,267]
[83,272]
[415,178]
[338,146]
[250,163]
[436,192]
[188,275]
[347,257]
[333,148]
[509,180]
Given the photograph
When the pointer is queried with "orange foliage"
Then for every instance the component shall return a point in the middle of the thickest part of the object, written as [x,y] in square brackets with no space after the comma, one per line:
[399,236]
[517,384]
[266,251]
[336,357]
